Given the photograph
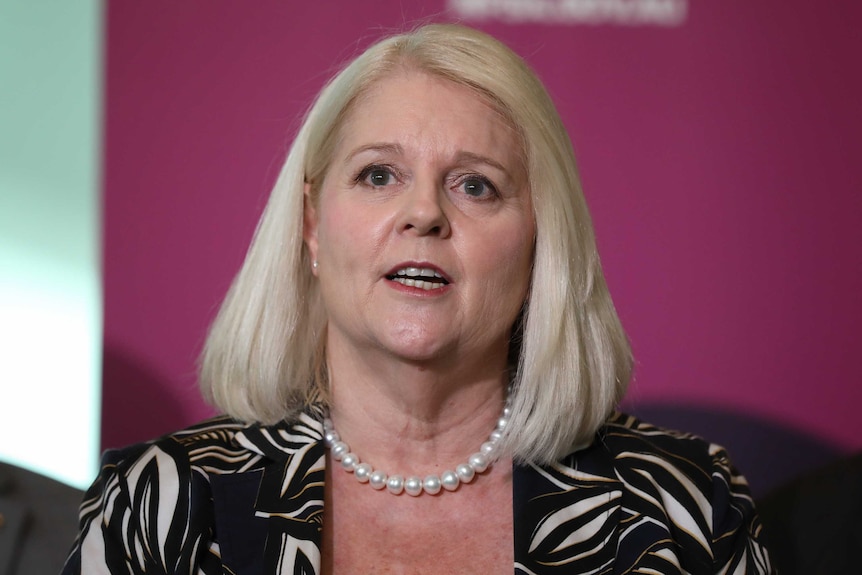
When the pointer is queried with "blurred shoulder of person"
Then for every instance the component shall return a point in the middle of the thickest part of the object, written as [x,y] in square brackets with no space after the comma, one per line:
[38,518]
[812,522]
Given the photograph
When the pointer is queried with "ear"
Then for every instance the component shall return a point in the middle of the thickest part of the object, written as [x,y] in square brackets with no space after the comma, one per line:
[309,224]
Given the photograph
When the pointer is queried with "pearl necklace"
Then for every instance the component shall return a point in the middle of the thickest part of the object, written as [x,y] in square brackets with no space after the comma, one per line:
[415,485]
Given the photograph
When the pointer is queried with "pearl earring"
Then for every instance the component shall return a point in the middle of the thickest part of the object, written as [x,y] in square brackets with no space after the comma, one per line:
[314,264]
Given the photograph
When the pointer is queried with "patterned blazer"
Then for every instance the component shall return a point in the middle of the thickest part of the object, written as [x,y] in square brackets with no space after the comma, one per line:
[227,497]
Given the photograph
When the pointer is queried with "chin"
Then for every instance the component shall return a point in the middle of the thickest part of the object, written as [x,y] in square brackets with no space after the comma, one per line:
[419,354]
[420,348]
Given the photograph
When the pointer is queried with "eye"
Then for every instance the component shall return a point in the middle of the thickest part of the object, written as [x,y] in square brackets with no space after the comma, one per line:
[376,176]
[477,186]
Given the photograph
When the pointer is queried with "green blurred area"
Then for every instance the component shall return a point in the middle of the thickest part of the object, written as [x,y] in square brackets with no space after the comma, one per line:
[50,287]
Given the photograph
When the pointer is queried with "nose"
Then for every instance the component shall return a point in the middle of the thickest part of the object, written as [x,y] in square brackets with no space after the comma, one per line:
[423,210]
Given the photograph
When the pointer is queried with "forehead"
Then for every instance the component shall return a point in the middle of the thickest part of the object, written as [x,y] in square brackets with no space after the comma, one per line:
[411,107]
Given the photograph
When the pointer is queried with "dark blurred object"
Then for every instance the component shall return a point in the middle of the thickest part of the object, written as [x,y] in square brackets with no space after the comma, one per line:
[768,453]
[813,524]
[38,522]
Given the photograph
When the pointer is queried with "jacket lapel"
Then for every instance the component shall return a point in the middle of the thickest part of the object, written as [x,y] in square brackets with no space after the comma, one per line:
[269,520]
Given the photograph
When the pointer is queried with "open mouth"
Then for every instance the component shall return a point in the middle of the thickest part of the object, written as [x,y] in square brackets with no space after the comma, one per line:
[422,278]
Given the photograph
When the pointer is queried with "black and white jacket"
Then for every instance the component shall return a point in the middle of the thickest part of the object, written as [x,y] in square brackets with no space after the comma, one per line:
[227,497]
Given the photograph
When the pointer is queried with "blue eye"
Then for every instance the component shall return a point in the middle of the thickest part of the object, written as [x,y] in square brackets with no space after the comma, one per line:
[477,187]
[376,176]
[379,177]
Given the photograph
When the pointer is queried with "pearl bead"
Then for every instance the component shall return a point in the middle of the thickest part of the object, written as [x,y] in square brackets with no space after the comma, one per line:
[395,484]
[413,486]
[478,462]
[465,472]
[432,485]
[339,450]
[449,480]
[362,472]
[349,461]
[377,480]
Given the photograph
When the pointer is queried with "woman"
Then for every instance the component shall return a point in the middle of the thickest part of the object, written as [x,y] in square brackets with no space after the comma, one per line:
[419,362]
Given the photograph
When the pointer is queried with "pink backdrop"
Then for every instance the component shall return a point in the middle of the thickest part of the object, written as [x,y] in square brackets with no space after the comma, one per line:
[720,159]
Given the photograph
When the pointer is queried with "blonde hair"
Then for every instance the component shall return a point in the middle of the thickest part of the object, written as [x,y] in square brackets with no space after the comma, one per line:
[263,357]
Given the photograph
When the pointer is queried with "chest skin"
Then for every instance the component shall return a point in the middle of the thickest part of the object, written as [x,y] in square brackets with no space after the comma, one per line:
[466,531]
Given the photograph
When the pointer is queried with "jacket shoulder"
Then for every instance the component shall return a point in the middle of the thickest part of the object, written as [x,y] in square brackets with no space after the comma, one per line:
[209,445]
[674,487]
[628,440]
[158,490]
[672,465]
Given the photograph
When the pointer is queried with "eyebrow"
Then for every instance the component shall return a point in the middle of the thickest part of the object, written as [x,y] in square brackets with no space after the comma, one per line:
[375,147]
[462,157]
[471,158]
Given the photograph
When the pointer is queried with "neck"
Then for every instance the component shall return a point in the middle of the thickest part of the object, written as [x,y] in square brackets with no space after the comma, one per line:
[418,416]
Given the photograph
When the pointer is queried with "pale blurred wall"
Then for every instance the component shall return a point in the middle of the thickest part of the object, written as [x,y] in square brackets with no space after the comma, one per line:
[50,286]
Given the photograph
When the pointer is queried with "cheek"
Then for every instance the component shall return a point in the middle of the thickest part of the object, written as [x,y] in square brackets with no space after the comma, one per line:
[509,261]
[339,229]
[350,235]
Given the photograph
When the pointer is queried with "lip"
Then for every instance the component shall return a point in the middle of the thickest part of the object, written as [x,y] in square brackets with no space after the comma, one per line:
[439,273]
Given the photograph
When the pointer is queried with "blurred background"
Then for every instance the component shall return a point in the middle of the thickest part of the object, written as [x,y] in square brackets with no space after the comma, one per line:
[719,144]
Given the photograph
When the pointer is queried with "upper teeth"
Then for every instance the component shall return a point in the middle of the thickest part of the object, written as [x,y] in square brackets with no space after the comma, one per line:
[405,276]
[418,272]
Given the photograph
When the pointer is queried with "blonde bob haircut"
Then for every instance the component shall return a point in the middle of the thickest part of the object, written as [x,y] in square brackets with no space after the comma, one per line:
[264,358]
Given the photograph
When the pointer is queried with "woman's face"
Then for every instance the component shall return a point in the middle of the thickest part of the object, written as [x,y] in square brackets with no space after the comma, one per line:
[423,228]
